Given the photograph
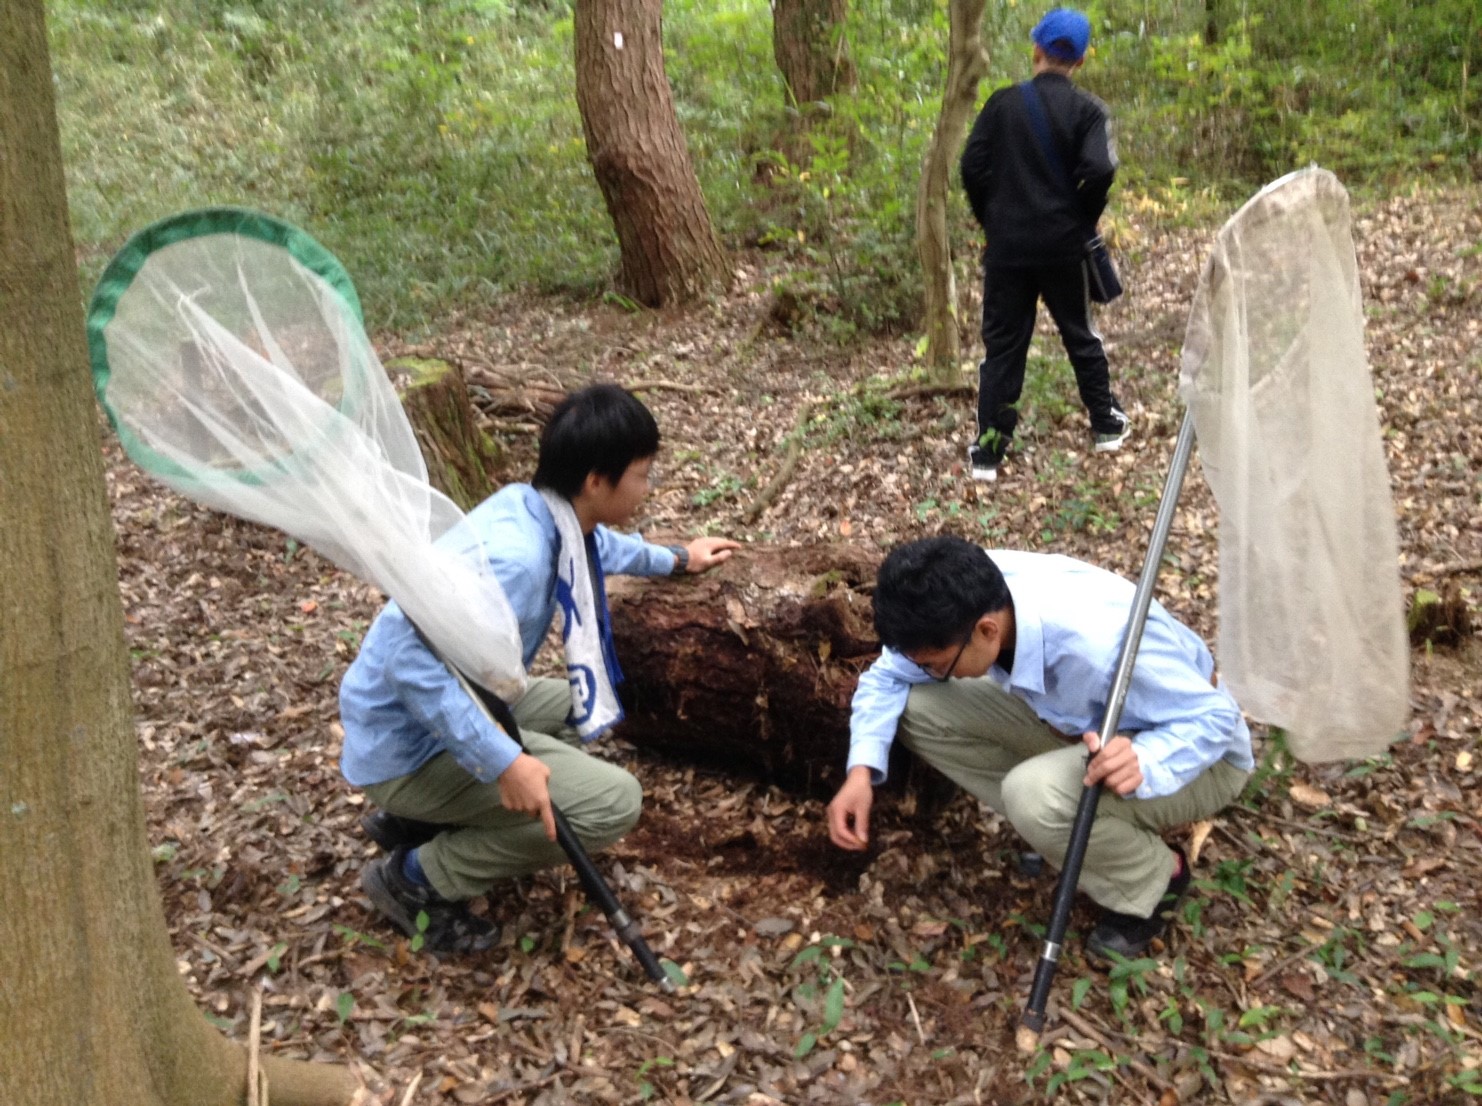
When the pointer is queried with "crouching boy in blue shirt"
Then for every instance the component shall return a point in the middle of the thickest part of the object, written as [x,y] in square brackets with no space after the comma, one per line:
[461,806]
[997,668]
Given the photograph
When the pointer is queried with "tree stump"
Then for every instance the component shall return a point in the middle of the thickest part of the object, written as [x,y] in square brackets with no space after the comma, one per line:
[460,456]
[752,665]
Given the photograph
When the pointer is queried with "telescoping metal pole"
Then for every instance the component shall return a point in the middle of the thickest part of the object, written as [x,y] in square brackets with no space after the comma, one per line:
[1033,1018]
[497,711]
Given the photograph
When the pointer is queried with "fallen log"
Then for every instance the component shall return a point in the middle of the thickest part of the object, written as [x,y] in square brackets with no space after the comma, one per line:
[752,665]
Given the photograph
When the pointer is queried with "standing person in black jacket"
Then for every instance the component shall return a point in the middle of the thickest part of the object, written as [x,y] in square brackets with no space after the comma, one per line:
[1036,228]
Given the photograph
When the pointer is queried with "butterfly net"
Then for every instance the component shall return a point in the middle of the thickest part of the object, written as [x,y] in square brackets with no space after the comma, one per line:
[1312,636]
[228,352]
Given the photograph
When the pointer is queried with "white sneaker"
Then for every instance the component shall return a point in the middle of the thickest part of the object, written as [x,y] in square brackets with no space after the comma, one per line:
[1110,443]
[983,468]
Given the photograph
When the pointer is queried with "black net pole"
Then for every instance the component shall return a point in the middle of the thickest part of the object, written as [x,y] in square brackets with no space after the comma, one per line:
[1033,1017]
[623,924]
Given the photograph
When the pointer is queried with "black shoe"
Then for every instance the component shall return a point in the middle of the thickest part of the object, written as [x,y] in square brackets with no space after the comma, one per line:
[982,463]
[449,928]
[1128,936]
[1109,441]
[391,832]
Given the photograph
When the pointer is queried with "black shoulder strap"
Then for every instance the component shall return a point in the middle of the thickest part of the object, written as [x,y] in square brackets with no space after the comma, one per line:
[1039,123]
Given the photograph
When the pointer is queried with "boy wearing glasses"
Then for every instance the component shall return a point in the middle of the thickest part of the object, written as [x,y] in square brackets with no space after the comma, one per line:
[996,670]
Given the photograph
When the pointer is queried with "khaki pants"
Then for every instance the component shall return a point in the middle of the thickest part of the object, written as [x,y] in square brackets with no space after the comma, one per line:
[995,747]
[600,800]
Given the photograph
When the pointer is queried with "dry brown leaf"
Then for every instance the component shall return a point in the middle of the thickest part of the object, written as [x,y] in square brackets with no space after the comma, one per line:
[1305,795]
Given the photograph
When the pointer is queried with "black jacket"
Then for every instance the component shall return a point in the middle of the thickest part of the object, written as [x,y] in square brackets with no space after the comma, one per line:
[1028,216]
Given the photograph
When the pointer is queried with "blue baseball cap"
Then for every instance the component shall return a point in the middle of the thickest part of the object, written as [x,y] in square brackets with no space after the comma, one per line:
[1063,34]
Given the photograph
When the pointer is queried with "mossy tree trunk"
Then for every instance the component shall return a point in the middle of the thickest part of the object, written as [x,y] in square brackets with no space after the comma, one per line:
[460,457]
[967,64]
[92,1009]
[669,249]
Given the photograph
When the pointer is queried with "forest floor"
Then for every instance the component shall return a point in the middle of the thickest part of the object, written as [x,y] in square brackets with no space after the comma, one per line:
[1332,949]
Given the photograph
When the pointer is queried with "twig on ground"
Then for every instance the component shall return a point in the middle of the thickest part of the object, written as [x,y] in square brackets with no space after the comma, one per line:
[1081,1025]
[1309,828]
[1287,1073]
[1455,568]
[524,1088]
[406,1099]
[257,1082]
[789,465]
[573,1050]
[666,385]
[1284,962]
[916,391]
[916,1017]
[509,426]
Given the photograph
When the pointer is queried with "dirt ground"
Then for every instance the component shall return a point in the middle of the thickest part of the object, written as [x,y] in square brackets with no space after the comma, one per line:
[1330,952]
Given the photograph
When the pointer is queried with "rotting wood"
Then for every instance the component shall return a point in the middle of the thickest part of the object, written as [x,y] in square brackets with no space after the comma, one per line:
[753,665]
[460,456]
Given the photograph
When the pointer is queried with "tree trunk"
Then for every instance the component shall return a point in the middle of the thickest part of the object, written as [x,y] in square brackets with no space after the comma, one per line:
[811,51]
[669,249]
[752,666]
[92,1009]
[460,457]
[967,64]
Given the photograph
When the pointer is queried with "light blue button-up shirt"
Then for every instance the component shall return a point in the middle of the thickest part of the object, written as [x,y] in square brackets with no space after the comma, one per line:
[401,707]
[1069,620]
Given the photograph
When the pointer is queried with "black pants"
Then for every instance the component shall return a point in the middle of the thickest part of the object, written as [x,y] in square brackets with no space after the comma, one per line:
[1010,297]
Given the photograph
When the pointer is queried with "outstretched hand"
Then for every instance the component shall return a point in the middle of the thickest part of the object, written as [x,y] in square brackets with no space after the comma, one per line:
[524,787]
[706,553]
[849,812]
[1116,765]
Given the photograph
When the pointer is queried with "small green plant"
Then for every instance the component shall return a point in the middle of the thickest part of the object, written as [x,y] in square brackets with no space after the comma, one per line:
[1230,878]
[420,937]
[1126,979]
[343,1005]
[645,1086]
[353,937]
[725,486]
[1273,775]
[821,990]
[1084,1064]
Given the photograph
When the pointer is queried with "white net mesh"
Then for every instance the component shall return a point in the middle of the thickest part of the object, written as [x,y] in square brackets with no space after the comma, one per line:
[244,379]
[1312,634]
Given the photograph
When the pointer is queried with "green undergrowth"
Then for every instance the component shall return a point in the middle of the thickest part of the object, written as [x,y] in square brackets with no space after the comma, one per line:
[437,148]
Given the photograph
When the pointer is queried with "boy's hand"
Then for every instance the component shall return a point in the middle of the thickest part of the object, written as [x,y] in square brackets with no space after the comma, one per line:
[706,553]
[849,812]
[1116,765]
[523,788]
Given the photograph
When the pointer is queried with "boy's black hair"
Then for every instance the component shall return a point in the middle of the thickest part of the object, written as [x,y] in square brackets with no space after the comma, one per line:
[929,593]
[601,429]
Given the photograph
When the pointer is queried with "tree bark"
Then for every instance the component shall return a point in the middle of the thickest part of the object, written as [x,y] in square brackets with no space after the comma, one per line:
[752,665]
[811,51]
[460,457]
[669,250]
[92,1009]
[967,64]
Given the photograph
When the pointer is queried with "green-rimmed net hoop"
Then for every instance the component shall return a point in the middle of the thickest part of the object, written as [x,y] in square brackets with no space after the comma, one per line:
[229,353]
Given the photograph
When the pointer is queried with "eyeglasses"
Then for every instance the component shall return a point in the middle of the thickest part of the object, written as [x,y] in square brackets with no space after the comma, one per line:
[942,675]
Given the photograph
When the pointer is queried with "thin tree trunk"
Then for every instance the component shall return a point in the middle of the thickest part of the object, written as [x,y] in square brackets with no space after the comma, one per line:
[810,49]
[967,64]
[92,1009]
[669,249]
